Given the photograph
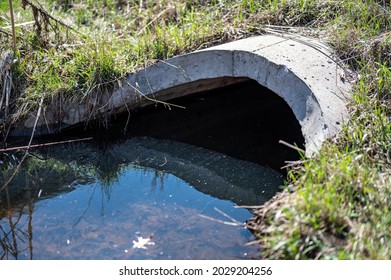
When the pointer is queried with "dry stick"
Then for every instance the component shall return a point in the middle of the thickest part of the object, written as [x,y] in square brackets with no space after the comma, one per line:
[4,92]
[227,216]
[154,100]
[291,146]
[19,24]
[7,86]
[248,206]
[292,163]
[154,19]
[45,144]
[250,243]
[12,224]
[36,120]
[44,14]
[13,26]
[220,221]
[31,211]
[6,76]
[28,147]
[233,223]
[5,32]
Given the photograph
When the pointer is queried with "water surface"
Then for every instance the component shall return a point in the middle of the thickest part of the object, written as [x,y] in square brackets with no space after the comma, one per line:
[82,202]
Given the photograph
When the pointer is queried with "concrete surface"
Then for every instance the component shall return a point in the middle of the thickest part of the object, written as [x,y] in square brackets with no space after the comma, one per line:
[299,70]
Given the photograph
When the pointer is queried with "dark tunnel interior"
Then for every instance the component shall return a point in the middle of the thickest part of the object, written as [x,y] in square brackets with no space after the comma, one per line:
[244,120]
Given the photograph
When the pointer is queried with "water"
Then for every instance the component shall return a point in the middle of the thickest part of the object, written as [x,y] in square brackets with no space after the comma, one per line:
[82,202]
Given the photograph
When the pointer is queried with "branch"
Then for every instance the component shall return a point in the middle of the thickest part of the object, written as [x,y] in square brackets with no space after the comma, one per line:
[13,27]
[45,144]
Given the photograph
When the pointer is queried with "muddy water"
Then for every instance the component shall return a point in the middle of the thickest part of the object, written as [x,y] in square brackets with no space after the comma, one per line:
[81,202]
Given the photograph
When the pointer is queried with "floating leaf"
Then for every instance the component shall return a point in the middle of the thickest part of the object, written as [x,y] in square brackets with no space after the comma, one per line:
[141,242]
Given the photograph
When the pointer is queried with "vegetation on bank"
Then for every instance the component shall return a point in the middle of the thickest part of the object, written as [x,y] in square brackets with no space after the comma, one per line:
[335,205]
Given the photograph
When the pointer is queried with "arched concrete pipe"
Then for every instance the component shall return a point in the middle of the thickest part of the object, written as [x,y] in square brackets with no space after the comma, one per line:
[298,69]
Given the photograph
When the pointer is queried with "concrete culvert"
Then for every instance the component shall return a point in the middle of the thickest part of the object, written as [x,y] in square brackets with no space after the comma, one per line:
[298,70]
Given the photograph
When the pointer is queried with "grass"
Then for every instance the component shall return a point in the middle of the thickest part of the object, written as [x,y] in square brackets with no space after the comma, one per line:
[88,46]
[335,205]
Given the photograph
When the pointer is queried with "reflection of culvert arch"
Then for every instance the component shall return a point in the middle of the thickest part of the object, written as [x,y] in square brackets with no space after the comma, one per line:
[212,173]
[209,172]
[298,70]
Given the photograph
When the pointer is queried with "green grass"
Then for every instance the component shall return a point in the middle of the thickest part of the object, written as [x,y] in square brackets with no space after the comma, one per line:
[340,206]
[335,205]
[112,39]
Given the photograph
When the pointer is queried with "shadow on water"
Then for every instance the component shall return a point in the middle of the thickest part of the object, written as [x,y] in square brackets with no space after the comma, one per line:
[94,200]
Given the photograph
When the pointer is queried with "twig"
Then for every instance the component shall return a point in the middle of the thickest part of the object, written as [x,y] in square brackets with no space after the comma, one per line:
[227,216]
[7,87]
[154,100]
[154,19]
[43,20]
[45,144]
[291,146]
[6,80]
[164,163]
[88,207]
[5,32]
[28,147]
[383,8]
[220,221]
[292,163]
[13,27]
[36,120]
[248,206]
[44,12]
[251,243]
[233,223]
[19,24]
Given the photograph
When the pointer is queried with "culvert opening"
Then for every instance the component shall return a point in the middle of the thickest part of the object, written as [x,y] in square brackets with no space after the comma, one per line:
[244,120]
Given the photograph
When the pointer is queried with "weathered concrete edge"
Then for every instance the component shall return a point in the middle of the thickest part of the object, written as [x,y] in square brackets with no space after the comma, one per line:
[301,71]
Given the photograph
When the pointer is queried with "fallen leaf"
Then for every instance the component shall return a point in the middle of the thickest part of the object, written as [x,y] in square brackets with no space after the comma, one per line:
[141,242]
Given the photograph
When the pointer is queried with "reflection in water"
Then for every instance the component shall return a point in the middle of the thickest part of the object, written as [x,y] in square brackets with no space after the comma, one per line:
[15,239]
[78,202]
